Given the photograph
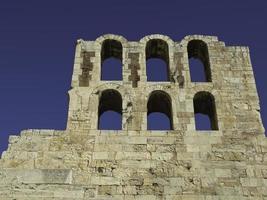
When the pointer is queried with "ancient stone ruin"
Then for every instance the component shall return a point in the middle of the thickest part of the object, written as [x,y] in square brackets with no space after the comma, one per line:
[226,162]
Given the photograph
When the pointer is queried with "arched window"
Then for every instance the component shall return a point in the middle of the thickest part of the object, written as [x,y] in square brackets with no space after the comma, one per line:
[159,111]
[157,60]
[205,111]
[110,110]
[199,63]
[111,60]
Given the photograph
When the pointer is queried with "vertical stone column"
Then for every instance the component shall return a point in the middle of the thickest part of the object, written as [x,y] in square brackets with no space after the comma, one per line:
[77,64]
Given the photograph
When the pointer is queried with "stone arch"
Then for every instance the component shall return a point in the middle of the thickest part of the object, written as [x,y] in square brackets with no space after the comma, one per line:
[114,86]
[197,50]
[127,101]
[204,103]
[208,40]
[111,56]
[110,100]
[119,38]
[111,50]
[158,47]
[166,38]
[160,101]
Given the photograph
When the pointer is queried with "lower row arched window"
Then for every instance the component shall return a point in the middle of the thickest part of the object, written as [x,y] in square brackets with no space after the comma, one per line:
[205,111]
[110,110]
[159,111]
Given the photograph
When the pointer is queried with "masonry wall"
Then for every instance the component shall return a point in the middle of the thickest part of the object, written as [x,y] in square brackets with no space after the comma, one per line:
[83,162]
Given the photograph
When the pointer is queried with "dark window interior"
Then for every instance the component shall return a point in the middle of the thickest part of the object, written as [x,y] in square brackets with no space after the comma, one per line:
[110,110]
[159,111]
[111,60]
[157,60]
[205,111]
[199,63]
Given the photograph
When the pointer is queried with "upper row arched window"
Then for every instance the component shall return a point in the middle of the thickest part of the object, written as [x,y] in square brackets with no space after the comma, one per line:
[159,111]
[199,64]
[157,60]
[111,60]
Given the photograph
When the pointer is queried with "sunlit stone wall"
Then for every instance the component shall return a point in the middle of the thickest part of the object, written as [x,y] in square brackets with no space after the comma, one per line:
[229,161]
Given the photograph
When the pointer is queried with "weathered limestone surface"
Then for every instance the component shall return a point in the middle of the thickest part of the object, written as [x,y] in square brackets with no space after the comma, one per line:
[82,162]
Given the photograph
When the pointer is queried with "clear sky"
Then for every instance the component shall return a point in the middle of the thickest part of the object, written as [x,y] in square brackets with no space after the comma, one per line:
[37,40]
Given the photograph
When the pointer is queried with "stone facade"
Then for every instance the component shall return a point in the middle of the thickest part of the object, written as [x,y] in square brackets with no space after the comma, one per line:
[82,162]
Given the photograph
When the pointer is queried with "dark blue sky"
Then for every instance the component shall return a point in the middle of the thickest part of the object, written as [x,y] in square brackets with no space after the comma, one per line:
[37,41]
